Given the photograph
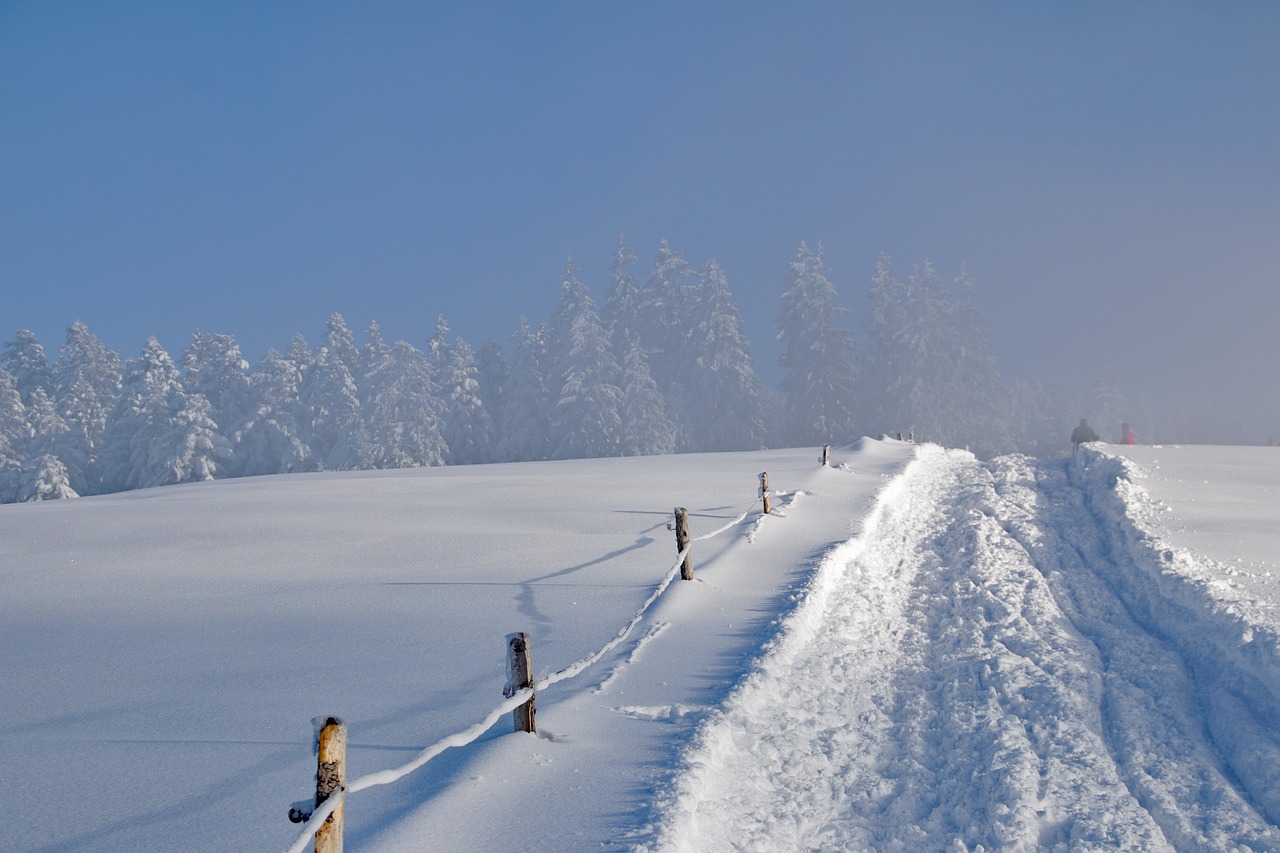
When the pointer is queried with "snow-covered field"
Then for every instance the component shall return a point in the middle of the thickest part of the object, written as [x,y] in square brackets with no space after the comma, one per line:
[916,651]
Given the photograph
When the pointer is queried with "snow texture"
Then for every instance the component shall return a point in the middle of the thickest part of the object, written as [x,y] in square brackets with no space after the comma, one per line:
[916,651]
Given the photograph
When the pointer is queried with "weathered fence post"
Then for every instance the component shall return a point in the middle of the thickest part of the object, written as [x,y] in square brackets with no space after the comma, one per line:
[826,455]
[331,781]
[520,676]
[682,542]
[764,490]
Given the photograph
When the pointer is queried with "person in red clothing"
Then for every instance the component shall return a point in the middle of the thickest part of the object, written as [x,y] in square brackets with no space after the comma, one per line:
[1126,434]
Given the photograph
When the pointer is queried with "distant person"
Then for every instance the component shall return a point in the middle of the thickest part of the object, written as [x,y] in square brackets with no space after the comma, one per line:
[1126,434]
[1081,434]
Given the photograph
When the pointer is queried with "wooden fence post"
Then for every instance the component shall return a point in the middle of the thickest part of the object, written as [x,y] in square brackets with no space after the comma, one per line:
[520,676]
[764,490]
[331,781]
[682,542]
[826,455]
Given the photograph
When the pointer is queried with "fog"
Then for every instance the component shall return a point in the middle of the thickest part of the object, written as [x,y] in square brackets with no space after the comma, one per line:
[1110,177]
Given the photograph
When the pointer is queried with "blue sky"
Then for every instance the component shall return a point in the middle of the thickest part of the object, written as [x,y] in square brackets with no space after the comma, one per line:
[1110,173]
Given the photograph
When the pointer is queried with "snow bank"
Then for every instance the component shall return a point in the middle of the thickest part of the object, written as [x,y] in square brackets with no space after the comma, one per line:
[1229,639]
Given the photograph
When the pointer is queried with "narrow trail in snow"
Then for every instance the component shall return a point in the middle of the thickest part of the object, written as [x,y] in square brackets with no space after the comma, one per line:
[964,676]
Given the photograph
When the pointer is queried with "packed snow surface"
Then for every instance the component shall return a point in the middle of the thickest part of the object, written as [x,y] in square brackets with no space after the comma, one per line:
[915,650]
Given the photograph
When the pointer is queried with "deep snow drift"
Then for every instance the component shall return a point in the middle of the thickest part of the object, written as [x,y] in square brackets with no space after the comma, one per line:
[915,651]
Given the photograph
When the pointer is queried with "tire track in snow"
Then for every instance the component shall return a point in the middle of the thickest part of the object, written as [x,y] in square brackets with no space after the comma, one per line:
[1158,713]
[958,678]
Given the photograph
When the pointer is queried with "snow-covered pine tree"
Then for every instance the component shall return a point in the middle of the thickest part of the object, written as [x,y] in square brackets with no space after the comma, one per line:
[87,376]
[723,397]
[646,429]
[931,369]
[372,353]
[585,418]
[885,362]
[467,428]
[49,454]
[330,414]
[664,325]
[193,450]
[525,426]
[14,433]
[157,434]
[818,355]
[45,479]
[24,359]
[299,352]
[214,367]
[341,344]
[404,412]
[493,375]
[272,443]
[622,308]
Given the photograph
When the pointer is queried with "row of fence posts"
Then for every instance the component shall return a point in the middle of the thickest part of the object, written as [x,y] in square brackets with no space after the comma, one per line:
[331,738]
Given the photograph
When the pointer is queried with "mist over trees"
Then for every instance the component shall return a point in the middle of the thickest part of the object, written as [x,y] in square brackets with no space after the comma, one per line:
[661,366]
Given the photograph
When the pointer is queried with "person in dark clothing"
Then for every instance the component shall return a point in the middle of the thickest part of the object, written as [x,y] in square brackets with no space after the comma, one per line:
[1081,434]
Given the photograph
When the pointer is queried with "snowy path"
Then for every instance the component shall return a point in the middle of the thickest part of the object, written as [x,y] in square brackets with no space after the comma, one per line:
[986,667]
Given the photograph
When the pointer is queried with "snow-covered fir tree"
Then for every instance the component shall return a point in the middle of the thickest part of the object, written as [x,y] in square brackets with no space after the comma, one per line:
[50,453]
[272,442]
[930,364]
[13,437]
[341,344]
[300,353]
[623,304]
[585,415]
[524,431]
[646,429]
[493,375]
[87,376]
[818,355]
[213,366]
[331,425]
[664,325]
[45,479]
[467,427]
[404,412]
[372,353]
[157,434]
[722,396]
[25,360]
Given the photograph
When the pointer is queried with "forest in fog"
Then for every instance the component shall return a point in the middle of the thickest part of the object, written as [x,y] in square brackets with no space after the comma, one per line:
[660,365]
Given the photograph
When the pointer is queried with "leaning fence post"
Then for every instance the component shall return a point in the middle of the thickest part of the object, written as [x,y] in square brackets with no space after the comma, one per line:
[520,676]
[826,455]
[764,490]
[682,542]
[331,781]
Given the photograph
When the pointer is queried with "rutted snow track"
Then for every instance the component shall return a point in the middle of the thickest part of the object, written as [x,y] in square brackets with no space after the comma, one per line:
[968,674]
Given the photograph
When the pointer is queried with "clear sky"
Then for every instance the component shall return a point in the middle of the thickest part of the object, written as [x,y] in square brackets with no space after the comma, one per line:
[1109,172]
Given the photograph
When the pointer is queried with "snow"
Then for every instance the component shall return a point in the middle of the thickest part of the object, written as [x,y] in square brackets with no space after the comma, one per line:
[915,651]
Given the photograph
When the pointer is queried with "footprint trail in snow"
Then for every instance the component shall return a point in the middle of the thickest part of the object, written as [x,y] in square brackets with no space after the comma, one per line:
[969,673]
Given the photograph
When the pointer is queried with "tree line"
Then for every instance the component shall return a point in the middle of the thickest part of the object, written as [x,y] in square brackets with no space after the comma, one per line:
[661,366]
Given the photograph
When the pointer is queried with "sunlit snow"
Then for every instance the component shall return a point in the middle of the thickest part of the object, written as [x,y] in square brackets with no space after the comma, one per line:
[915,650]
